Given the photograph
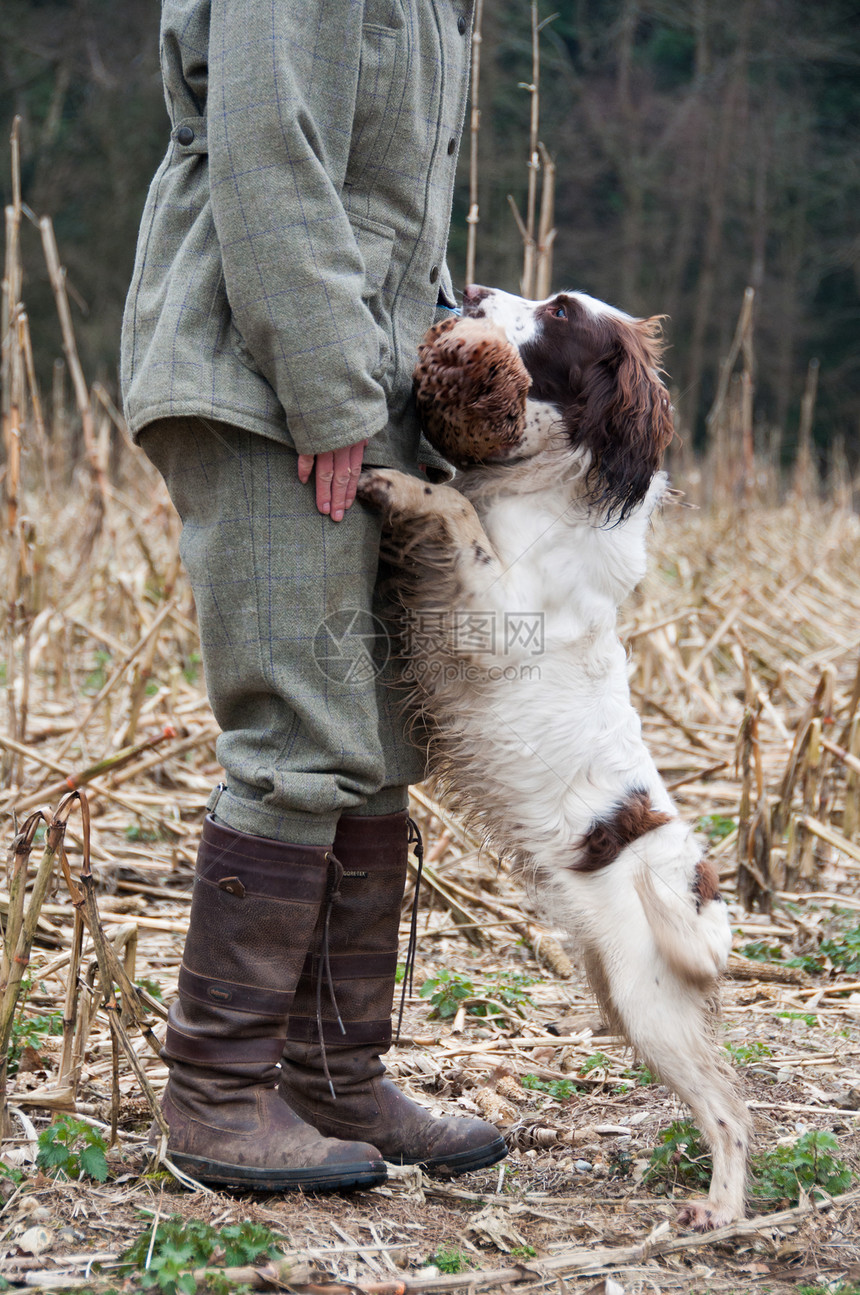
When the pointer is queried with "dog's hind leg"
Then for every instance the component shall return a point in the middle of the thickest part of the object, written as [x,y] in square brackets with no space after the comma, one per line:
[725,1122]
[669,1025]
[689,1061]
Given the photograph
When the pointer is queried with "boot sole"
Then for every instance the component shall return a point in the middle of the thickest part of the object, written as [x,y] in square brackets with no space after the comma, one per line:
[365,1173]
[462,1162]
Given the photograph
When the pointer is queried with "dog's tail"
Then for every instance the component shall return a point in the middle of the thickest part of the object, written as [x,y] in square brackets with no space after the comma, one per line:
[694,944]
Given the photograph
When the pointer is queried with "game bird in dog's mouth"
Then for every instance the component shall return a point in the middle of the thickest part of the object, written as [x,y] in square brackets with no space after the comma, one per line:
[556,414]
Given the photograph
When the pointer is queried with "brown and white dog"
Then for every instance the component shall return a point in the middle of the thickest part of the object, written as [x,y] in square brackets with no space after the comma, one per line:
[510,581]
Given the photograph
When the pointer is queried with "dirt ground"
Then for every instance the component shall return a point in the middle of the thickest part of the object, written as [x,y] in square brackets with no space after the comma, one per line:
[573,1181]
[743,645]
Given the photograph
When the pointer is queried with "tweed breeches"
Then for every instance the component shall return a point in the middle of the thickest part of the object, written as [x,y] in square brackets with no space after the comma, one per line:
[295,656]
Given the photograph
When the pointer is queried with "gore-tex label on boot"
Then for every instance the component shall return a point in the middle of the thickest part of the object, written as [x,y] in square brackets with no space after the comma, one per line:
[355,873]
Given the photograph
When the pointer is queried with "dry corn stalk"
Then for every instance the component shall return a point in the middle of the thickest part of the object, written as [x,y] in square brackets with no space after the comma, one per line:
[511,1088]
[547,950]
[851,812]
[741,968]
[495,1107]
[111,972]
[755,885]
[819,707]
[800,855]
[21,924]
[473,216]
[536,232]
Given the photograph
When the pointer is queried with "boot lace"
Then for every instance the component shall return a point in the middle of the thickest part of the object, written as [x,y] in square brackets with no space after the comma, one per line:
[324,965]
[416,841]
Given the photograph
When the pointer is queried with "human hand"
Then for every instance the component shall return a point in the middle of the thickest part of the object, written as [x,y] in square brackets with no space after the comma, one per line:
[337,473]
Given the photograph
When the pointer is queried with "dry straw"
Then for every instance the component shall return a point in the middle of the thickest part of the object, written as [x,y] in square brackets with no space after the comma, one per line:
[745,665]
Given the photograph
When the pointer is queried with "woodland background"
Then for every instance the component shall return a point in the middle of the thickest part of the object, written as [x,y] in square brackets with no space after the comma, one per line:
[702,146]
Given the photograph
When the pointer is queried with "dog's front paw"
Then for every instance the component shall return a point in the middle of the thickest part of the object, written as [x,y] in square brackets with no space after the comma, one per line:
[704,1216]
[376,489]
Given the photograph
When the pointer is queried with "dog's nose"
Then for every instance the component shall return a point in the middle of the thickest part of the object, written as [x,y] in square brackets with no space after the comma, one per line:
[473,294]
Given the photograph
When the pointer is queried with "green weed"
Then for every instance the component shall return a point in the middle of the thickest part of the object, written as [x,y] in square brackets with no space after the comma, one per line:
[449,989]
[69,1148]
[507,988]
[761,951]
[809,1018]
[191,670]
[97,677]
[811,1164]
[745,1054]
[29,1032]
[841,950]
[681,1157]
[841,1288]
[812,963]
[621,1164]
[449,1260]
[142,835]
[844,952]
[560,1089]
[152,987]
[716,826]
[597,1061]
[181,1245]
[446,992]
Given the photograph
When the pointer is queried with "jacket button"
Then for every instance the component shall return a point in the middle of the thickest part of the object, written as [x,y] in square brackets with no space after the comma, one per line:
[185,135]
[434,274]
[461,25]
[452,147]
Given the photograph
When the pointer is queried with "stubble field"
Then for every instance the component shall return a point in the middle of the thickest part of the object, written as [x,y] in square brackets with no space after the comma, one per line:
[744,645]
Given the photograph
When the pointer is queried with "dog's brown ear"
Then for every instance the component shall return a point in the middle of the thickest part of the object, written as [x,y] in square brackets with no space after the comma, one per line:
[623,415]
[470,389]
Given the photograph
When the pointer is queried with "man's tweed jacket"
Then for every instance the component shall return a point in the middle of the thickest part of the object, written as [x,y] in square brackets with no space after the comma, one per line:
[292,249]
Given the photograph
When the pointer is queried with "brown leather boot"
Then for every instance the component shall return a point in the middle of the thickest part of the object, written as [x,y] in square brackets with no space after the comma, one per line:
[253,914]
[362,948]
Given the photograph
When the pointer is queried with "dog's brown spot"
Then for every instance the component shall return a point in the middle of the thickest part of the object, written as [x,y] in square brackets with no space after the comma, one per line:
[706,885]
[603,843]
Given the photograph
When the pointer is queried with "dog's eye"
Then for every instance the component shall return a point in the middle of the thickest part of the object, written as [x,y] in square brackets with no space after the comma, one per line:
[560,312]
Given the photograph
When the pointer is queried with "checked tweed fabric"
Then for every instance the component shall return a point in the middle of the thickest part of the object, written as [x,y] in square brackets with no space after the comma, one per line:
[296,667]
[292,250]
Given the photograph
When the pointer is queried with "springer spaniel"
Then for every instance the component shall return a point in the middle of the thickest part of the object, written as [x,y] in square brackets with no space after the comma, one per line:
[510,581]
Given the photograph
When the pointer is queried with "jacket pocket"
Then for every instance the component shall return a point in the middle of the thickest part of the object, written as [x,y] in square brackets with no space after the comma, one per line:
[376,245]
[377,101]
